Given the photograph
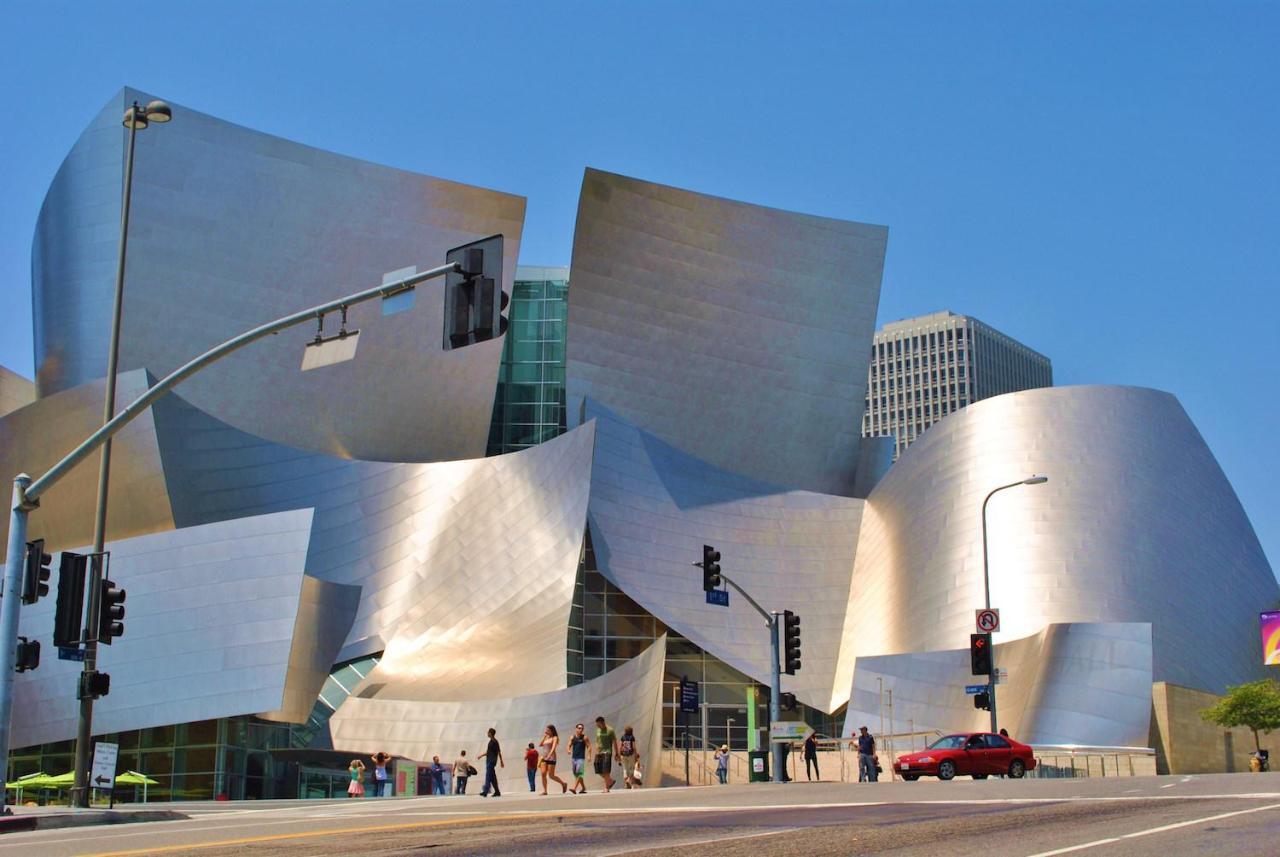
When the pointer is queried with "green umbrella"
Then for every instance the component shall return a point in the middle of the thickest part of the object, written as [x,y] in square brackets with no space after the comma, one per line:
[61,781]
[38,780]
[133,778]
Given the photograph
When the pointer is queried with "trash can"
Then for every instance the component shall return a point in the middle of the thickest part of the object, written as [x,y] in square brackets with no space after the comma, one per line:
[759,761]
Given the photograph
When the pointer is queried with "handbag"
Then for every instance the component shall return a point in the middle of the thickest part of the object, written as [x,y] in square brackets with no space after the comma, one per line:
[471,771]
[637,775]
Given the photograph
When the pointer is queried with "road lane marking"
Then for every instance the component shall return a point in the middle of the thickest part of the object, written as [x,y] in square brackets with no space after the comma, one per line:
[23,841]
[687,842]
[1153,830]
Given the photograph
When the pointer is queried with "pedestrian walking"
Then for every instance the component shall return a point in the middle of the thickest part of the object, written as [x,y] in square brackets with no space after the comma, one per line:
[550,746]
[606,751]
[866,756]
[531,766]
[461,771]
[492,761]
[579,748]
[811,757]
[437,776]
[381,784]
[722,764]
[356,770]
[629,755]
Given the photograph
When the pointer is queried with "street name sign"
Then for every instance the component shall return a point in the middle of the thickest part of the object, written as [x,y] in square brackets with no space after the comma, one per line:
[70,653]
[974,688]
[790,730]
[988,621]
[103,774]
[719,597]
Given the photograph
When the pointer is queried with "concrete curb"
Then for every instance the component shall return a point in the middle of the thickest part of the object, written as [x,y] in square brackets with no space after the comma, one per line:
[52,821]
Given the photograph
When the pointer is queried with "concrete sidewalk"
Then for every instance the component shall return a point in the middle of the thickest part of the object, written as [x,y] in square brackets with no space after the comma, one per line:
[52,817]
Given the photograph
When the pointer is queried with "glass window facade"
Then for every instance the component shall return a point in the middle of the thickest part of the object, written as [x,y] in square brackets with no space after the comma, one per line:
[528,406]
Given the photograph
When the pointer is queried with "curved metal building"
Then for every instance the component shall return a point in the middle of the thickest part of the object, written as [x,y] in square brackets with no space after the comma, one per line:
[737,333]
[230,228]
[1137,523]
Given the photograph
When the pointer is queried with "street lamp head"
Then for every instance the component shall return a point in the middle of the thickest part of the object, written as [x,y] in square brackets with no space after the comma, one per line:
[136,118]
[158,111]
[1036,480]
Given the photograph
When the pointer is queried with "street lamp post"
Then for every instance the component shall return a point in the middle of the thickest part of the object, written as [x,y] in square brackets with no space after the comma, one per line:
[136,118]
[986,584]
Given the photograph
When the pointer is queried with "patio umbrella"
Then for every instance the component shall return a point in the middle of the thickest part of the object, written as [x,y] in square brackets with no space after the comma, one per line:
[38,780]
[133,778]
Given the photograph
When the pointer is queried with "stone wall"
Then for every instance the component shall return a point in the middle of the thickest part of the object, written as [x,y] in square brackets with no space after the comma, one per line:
[1186,744]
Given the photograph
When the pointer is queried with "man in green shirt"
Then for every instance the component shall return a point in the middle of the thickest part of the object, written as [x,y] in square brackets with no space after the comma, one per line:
[606,750]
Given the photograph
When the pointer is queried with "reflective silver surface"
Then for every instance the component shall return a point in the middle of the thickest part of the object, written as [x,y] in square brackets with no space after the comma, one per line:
[35,437]
[738,333]
[1074,683]
[15,391]
[652,509]
[1137,523]
[210,627]
[630,694]
[231,228]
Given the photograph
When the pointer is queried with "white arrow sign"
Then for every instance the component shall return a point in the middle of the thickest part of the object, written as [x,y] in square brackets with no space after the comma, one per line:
[103,775]
[988,621]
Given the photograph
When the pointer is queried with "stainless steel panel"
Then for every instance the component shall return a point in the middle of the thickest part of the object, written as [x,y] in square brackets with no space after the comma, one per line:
[1073,683]
[209,631]
[231,228]
[1136,524]
[630,694]
[652,509]
[738,333]
[35,437]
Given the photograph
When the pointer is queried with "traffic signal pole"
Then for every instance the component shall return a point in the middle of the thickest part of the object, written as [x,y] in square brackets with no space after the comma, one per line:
[27,493]
[773,621]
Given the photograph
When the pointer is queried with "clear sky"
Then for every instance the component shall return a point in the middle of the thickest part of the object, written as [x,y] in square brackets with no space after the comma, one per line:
[1099,180]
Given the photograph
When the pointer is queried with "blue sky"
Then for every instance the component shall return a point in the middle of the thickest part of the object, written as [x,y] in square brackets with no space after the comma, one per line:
[1099,180]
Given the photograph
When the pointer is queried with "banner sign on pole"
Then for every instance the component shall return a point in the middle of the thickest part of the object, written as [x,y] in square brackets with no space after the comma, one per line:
[688,695]
[1270,623]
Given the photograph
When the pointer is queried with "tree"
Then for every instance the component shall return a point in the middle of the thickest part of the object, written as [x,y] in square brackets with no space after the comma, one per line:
[1255,705]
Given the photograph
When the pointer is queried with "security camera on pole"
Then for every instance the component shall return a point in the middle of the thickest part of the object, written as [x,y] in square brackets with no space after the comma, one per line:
[776,621]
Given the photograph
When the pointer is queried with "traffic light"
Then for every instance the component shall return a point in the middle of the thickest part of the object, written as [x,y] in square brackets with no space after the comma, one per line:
[710,568]
[68,619]
[110,613]
[787,701]
[982,700]
[35,573]
[94,684]
[28,654]
[791,642]
[980,653]
[473,296]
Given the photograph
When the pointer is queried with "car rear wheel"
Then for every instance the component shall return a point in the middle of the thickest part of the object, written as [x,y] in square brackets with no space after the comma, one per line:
[911,778]
[1017,769]
[946,770]
[979,776]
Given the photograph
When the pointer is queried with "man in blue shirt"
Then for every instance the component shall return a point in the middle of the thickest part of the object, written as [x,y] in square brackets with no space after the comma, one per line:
[866,757]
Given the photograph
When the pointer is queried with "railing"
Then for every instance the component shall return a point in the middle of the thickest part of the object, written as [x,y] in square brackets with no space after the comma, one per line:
[1069,761]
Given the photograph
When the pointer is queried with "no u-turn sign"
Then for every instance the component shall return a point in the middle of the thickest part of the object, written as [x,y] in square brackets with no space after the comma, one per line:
[988,621]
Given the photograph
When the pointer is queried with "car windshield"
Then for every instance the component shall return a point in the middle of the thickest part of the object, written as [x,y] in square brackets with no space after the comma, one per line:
[949,742]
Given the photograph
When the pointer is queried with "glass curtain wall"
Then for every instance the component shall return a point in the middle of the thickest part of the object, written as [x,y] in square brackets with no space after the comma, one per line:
[529,402]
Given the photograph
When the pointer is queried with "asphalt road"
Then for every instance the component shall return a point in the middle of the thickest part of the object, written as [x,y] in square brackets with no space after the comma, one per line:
[1218,814]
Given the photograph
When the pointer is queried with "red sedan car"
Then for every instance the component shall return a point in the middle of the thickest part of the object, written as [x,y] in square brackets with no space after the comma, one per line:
[975,754]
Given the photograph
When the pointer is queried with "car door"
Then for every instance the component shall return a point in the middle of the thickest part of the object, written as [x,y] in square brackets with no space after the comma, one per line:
[999,754]
[975,753]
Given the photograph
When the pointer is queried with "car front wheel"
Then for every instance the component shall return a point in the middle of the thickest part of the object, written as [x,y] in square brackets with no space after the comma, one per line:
[1017,769]
[946,770]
